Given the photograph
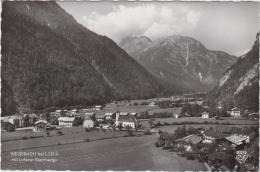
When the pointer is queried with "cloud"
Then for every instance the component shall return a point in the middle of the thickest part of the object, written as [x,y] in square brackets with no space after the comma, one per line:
[150,20]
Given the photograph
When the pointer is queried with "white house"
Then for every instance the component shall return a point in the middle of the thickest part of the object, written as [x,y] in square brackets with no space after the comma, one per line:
[66,121]
[176,115]
[98,107]
[73,112]
[58,112]
[152,104]
[235,112]
[126,119]
[89,115]
[40,125]
[109,115]
[205,115]
[88,123]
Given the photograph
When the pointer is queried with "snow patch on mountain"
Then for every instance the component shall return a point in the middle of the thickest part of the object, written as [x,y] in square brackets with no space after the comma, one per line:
[200,76]
[162,74]
[246,79]
[187,54]
[224,78]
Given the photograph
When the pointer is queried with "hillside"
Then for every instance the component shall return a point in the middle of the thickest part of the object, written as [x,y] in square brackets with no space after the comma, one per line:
[49,60]
[240,85]
[180,61]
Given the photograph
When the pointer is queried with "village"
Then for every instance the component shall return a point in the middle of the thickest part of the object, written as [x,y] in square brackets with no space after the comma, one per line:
[191,134]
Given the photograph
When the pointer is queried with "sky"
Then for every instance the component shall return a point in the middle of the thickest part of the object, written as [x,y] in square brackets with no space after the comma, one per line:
[224,26]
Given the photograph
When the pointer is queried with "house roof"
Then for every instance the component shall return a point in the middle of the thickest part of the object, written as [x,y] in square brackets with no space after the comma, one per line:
[254,113]
[236,139]
[235,109]
[89,113]
[67,119]
[194,139]
[126,118]
[204,113]
[109,113]
[100,115]
[88,120]
[133,113]
[123,113]
[41,121]
[4,118]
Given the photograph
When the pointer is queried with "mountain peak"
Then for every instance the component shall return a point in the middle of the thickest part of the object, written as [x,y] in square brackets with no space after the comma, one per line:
[182,60]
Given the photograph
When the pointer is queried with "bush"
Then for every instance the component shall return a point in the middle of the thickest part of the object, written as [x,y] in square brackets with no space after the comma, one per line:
[135,104]
[24,138]
[166,123]
[147,132]
[190,157]
[130,131]
[60,133]
[87,140]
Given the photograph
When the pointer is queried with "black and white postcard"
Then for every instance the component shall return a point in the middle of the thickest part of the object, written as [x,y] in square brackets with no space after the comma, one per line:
[130,85]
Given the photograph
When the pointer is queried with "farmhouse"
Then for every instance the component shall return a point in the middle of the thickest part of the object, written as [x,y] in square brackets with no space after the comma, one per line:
[40,125]
[14,120]
[66,121]
[235,112]
[126,119]
[210,136]
[98,107]
[188,141]
[237,141]
[100,117]
[253,116]
[176,115]
[110,115]
[73,112]
[152,104]
[89,115]
[58,112]
[7,126]
[205,115]
[88,123]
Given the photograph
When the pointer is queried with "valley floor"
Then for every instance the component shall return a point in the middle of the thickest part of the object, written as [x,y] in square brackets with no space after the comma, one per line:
[124,153]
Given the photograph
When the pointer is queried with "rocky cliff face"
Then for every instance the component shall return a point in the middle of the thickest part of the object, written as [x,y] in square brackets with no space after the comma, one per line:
[240,84]
[49,60]
[180,60]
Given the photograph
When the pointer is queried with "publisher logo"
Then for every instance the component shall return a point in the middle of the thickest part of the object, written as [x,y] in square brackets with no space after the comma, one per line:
[241,156]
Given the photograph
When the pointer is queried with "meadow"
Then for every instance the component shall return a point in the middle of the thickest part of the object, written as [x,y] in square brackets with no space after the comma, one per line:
[125,153]
[234,121]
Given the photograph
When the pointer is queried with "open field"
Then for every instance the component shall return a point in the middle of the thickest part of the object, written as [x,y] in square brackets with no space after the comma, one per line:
[125,153]
[127,108]
[168,110]
[14,141]
[198,119]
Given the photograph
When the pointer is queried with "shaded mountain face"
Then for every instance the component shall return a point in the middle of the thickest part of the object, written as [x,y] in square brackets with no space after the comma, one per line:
[181,61]
[49,60]
[239,87]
